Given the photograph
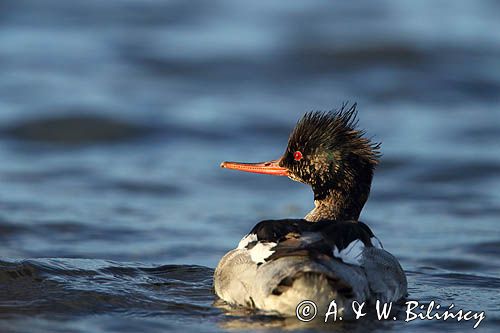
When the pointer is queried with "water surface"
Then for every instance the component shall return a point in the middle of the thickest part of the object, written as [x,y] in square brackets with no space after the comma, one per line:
[115,116]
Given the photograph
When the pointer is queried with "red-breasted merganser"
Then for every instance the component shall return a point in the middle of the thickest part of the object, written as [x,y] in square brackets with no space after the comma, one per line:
[328,255]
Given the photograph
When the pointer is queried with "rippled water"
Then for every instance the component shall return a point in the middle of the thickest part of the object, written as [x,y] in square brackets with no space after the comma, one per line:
[115,116]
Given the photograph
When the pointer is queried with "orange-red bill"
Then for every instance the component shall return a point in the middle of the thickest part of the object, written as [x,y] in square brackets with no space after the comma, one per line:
[266,168]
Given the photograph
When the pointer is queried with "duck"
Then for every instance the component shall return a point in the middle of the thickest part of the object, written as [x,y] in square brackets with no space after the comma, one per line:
[329,255]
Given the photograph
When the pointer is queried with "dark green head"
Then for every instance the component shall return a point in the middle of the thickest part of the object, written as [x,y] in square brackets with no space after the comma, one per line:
[327,151]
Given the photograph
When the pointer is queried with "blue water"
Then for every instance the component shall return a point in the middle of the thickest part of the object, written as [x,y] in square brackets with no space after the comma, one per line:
[115,115]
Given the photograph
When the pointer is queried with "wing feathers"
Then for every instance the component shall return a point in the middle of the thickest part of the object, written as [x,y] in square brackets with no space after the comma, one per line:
[273,239]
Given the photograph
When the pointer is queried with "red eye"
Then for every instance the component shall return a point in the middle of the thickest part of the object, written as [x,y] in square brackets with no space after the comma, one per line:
[297,156]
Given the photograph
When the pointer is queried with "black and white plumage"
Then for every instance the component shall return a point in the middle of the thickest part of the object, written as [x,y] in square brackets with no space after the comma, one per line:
[328,255]
[343,240]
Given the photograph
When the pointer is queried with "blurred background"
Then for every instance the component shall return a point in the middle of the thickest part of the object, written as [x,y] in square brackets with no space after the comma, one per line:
[115,115]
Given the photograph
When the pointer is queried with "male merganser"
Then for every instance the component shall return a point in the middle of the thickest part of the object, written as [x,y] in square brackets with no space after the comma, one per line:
[328,255]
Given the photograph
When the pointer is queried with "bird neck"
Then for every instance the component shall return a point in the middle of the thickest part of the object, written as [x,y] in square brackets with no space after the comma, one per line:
[343,199]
